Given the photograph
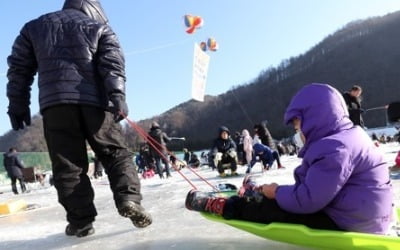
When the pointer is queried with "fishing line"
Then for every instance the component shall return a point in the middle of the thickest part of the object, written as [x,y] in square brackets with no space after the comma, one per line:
[157,47]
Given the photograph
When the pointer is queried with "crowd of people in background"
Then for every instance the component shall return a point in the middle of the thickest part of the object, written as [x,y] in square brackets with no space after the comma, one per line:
[245,148]
[227,152]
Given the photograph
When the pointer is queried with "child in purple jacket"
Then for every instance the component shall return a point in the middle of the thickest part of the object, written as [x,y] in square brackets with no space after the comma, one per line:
[342,183]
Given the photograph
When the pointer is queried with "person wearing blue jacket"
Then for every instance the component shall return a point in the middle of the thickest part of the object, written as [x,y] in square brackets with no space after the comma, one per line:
[342,182]
[264,154]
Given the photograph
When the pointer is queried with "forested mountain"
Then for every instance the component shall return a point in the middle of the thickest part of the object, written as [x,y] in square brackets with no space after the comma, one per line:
[364,52]
[26,140]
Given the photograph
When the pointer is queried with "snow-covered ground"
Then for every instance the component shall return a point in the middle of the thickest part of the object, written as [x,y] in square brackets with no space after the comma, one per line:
[174,227]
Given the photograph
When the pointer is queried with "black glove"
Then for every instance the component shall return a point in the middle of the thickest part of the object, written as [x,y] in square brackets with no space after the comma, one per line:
[119,106]
[19,113]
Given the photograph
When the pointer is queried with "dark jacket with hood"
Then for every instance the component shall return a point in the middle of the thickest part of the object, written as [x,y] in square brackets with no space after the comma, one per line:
[75,53]
[13,164]
[160,140]
[262,152]
[221,145]
[265,136]
[354,107]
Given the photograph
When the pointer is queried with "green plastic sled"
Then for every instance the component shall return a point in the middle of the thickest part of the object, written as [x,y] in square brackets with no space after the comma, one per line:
[320,239]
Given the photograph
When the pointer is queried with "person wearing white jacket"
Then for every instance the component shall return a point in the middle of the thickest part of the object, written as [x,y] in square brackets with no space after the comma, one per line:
[247,145]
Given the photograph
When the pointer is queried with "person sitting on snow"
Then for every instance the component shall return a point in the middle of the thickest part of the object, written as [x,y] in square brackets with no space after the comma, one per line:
[194,161]
[266,155]
[223,152]
[342,183]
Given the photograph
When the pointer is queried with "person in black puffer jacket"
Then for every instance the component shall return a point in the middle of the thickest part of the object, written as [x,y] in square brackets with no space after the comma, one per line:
[81,78]
[158,149]
[14,166]
[353,102]
[223,152]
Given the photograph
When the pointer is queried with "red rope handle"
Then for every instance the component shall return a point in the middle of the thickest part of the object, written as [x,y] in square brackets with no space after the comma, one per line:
[155,144]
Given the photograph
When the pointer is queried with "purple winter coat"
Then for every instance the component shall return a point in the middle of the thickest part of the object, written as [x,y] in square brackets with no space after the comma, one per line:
[342,172]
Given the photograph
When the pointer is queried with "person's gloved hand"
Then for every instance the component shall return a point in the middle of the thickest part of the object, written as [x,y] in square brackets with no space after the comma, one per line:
[19,114]
[232,153]
[119,106]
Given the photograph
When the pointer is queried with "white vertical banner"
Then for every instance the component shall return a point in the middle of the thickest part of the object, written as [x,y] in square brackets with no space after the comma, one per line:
[200,69]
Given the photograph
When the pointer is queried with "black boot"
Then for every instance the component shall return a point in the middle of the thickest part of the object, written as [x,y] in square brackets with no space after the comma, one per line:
[204,202]
[23,186]
[14,188]
[139,217]
[72,230]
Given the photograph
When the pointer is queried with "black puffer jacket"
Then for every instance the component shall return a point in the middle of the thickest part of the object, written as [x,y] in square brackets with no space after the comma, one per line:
[76,54]
[160,140]
[354,106]
[13,164]
[221,145]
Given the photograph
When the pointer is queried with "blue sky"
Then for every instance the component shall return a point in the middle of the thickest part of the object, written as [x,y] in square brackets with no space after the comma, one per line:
[253,35]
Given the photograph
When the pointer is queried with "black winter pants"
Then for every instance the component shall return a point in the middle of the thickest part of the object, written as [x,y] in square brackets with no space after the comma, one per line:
[225,160]
[268,210]
[67,128]
[14,184]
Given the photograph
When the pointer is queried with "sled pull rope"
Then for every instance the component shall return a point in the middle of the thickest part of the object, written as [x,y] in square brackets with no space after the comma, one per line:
[153,143]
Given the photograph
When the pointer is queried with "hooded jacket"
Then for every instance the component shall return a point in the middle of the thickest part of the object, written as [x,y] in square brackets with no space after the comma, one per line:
[265,154]
[13,164]
[221,145]
[247,141]
[261,149]
[76,54]
[342,173]
[354,107]
[160,138]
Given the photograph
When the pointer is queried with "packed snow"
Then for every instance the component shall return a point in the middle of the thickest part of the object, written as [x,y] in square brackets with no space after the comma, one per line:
[174,227]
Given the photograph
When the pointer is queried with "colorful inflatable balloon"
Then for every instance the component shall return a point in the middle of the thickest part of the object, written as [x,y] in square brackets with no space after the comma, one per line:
[212,44]
[192,23]
[203,46]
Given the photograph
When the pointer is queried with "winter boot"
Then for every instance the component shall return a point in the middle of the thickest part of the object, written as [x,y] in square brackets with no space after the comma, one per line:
[203,202]
[248,170]
[136,213]
[23,186]
[72,230]
[14,189]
